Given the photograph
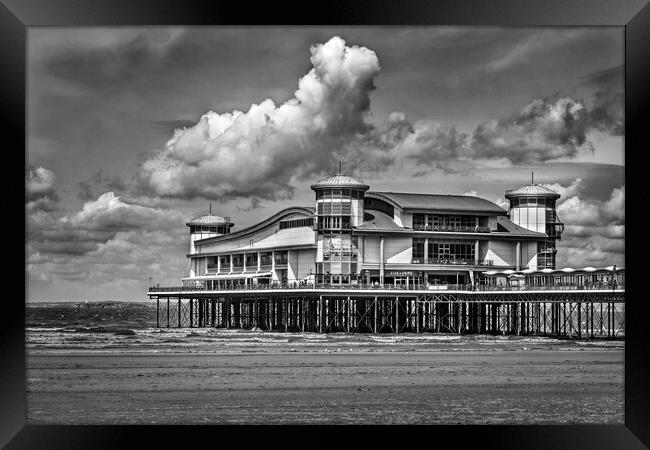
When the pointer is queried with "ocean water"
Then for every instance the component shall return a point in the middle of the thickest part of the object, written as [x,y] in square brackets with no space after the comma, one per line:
[129,327]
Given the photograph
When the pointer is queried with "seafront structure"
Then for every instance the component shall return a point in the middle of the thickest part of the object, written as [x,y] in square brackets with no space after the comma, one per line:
[355,236]
[362,260]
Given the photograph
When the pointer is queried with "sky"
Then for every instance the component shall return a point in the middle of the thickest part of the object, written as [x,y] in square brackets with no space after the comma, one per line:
[134,131]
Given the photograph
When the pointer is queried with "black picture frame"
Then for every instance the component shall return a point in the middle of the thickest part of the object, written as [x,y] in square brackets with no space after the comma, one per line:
[17,15]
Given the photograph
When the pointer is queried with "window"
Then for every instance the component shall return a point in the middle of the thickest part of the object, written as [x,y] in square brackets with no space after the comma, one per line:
[281,257]
[319,195]
[418,251]
[251,259]
[238,260]
[418,221]
[546,255]
[451,252]
[266,259]
[296,223]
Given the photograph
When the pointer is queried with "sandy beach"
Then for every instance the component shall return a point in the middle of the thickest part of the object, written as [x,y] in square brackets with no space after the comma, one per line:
[106,364]
[329,386]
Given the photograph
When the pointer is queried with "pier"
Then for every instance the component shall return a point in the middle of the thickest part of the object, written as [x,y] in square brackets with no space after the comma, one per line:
[555,311]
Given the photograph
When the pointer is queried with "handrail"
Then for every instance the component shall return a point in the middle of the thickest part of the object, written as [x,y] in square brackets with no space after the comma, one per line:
[410,287]
[452,229]
[453,261]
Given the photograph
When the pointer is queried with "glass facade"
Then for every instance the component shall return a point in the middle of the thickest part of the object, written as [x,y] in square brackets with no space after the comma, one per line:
[450,222]
[443,252]
[337,211]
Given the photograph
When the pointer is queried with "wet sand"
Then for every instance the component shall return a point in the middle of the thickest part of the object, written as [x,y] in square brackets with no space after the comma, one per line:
[327,386]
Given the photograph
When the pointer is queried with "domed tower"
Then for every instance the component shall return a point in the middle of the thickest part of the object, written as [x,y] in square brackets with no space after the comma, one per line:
[339,207]
[533,207]
[208,226]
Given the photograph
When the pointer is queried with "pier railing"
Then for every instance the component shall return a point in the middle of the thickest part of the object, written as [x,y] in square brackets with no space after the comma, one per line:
[410,287]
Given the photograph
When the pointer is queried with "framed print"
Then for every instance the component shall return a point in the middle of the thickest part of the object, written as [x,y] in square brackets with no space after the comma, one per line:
[409,215]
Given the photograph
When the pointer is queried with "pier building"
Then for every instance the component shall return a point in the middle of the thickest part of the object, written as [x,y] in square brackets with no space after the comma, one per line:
[352,235]
[358,260]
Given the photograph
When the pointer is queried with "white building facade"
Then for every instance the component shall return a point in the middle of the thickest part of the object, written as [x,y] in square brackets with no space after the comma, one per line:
[357,236]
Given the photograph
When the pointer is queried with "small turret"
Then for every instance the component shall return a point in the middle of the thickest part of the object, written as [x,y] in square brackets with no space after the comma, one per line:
[533,207]
[207,226]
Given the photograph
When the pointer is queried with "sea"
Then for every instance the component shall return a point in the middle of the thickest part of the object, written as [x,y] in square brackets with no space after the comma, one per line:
[129,327]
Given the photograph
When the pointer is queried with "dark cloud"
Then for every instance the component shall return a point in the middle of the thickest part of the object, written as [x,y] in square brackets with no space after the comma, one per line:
[172,125]
[100,183]
[546,129]
[607,111]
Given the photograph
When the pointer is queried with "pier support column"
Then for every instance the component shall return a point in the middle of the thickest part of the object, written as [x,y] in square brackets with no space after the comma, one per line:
[396,314]
[375,330]
[347,315]
[320,314]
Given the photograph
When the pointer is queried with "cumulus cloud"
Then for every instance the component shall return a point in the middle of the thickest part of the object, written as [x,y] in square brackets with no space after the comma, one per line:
[274,143]
[108,239]
[566,192]
[96,223]
[594,232]
[577,211]
[40,190]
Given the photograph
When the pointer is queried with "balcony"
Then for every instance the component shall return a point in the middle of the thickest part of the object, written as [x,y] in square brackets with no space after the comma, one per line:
[452,261]
[452,229]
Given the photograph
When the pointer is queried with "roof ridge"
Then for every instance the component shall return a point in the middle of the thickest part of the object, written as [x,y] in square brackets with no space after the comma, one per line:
[422,193]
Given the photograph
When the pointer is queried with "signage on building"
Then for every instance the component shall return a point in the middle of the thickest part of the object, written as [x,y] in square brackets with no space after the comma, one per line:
[398,273]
